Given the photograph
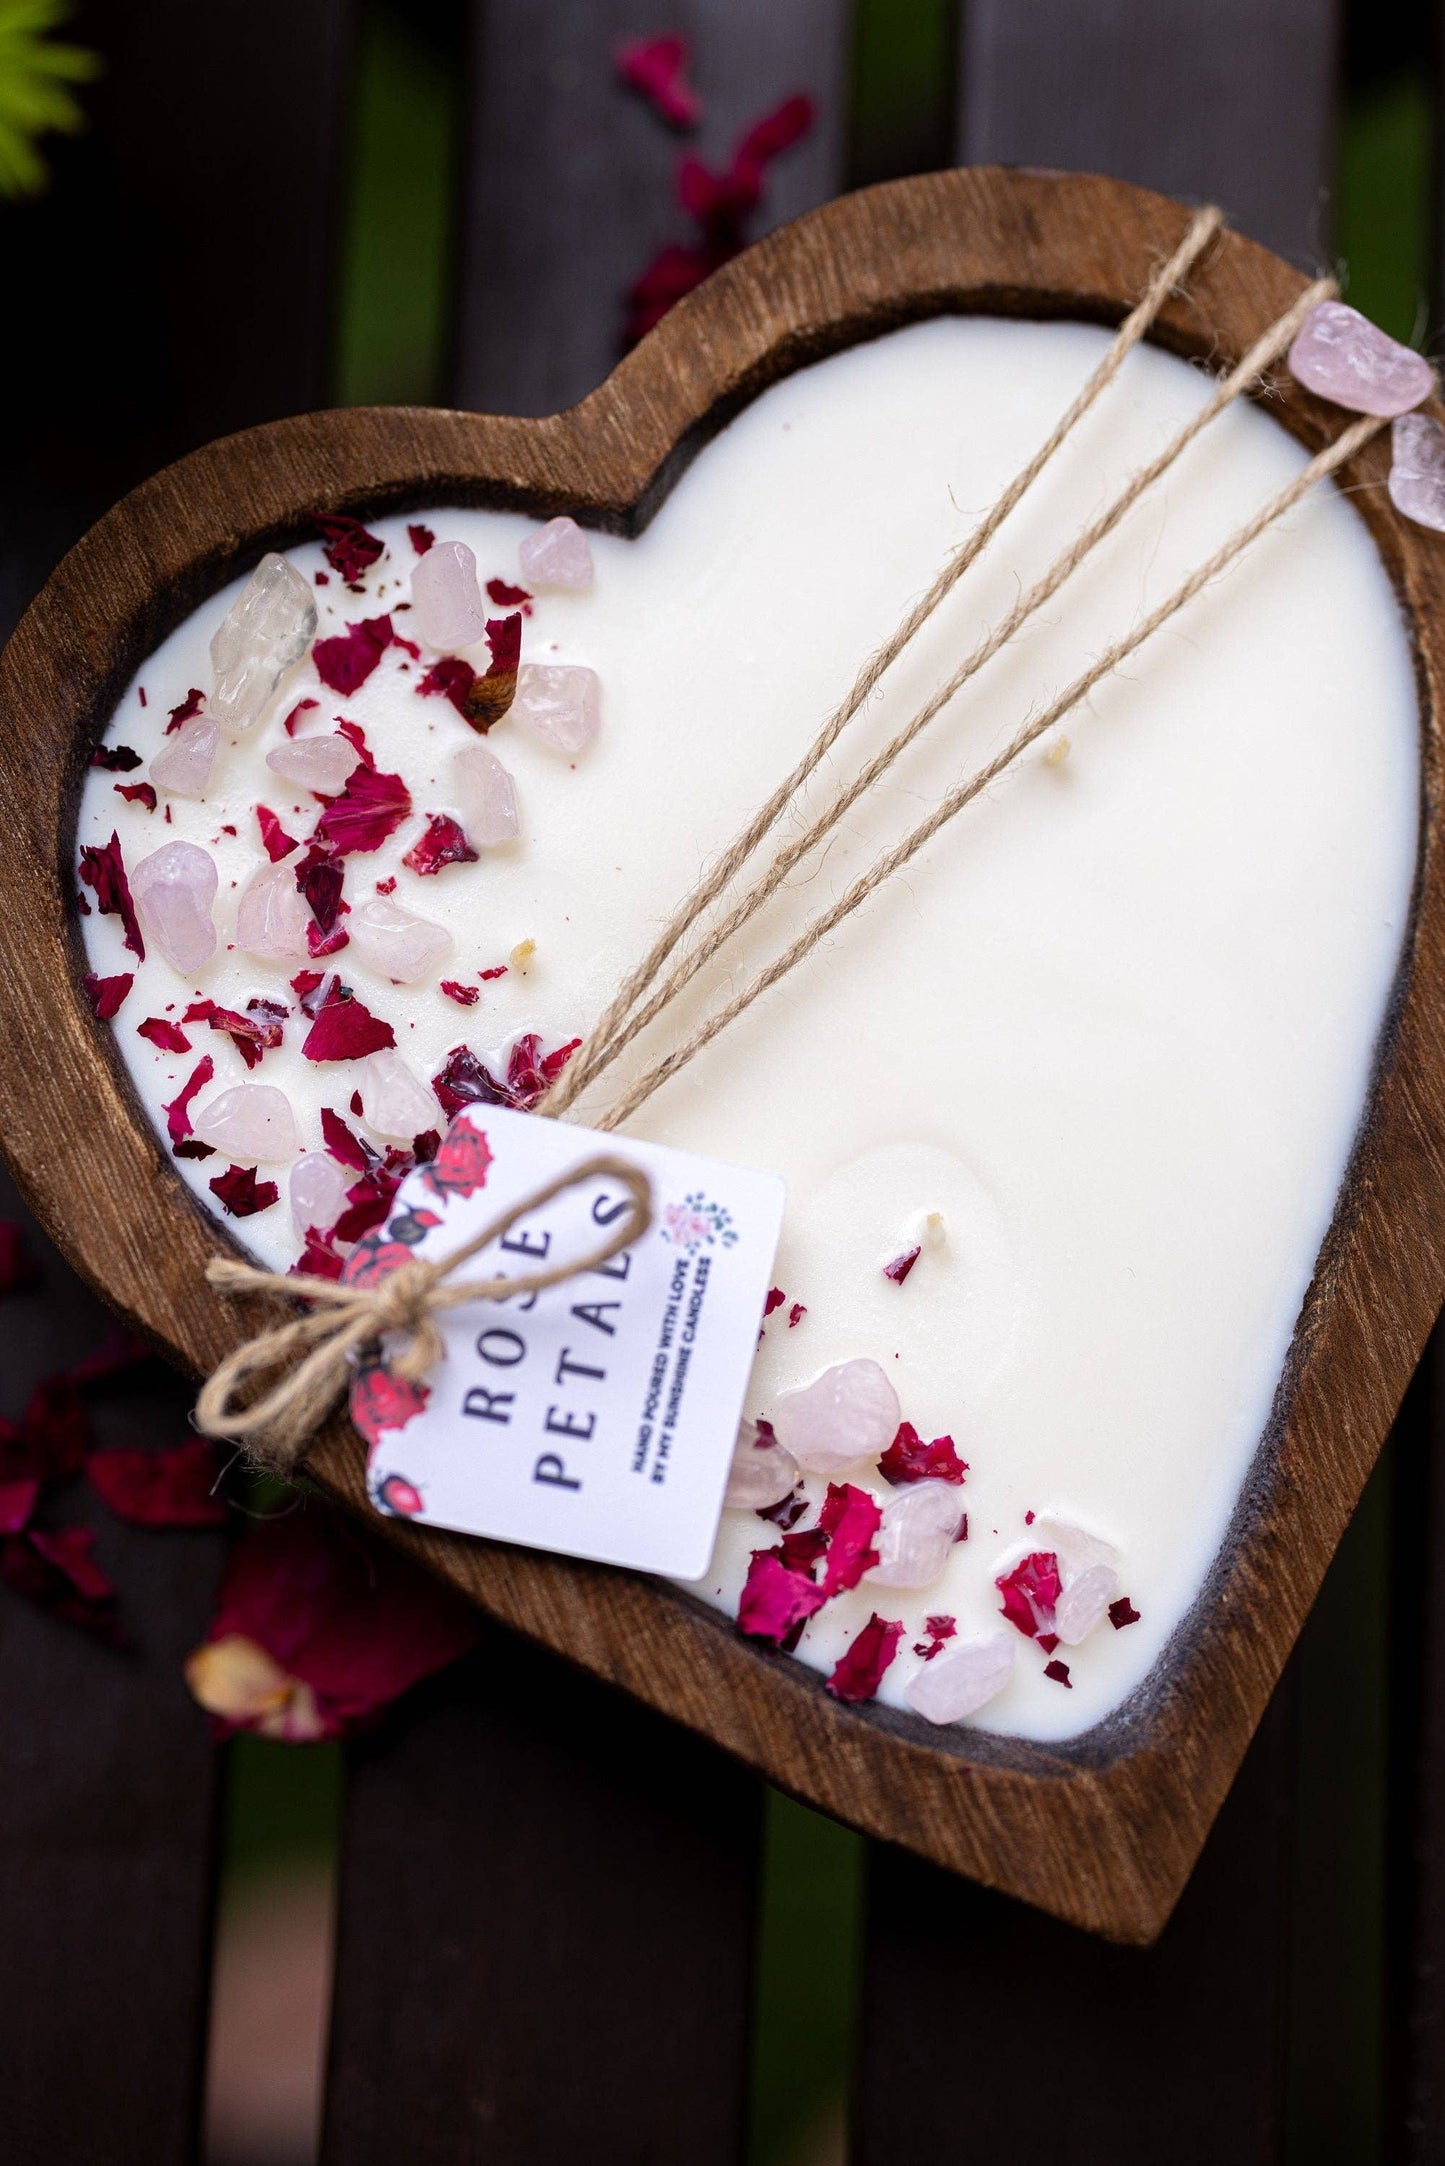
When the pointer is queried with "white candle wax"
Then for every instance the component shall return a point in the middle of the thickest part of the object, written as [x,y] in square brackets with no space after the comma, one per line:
[1114,1027]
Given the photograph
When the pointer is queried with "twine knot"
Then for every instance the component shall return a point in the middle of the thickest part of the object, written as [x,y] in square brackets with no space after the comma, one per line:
[344,1319]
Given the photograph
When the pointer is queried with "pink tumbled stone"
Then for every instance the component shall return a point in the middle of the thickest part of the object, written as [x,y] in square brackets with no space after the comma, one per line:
[486,794]
[556,556]
[272,916]
[394,1102]
[316,763]
[251,1123]
[174,889]
[318,1192]
[558,704]
[1341,356]
[396,943]
[762,1472]
[1084,1601]
[964,1678]
[446,600]
[916,1537]
[1417,470]
[182,767]
[848,1413]
[260,641]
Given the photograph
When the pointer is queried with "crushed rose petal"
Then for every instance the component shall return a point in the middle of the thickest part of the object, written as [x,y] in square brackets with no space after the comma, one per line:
[445,842]
[137,793]
[492,693]
[274,838]
[171,1487]
[115,759]
[775,1600]
[345,1029]
[189,708]
[1122,1613]
[371,806]
[909,1459]
[168,1036]
[178,1112]
[421,539]
[465,996]
[850,1518]
[102,868]
[1059,1672]
[347,546]
[858,1672]
[106,994]
[1030,1592]
[345,661]
[240,1194]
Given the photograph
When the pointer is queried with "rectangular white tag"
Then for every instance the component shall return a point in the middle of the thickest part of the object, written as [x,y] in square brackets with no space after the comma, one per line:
[596,1417]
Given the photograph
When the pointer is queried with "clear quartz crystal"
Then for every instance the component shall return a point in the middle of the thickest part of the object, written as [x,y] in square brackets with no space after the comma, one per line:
[848,1413]
[183,765]
[556,556]
[961,1680]
[762,1472]
[394,942]
[174,890]
[486,794]
[1343,357]
[318,1192]
[273,914]
[559,705]
[446,600]
[394,1103]
[1417,469]
[916,1537]
[262,638]
[252,1124]
[317,763]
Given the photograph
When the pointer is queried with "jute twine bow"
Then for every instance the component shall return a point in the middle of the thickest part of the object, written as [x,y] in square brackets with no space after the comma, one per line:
[343,1320]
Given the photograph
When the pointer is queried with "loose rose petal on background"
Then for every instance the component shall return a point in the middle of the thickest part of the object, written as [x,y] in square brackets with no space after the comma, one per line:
[1059,1671]
[103,868]
[347,659]
[106,994]
[506,596]
[371,807]
[443,843]
[776,1298]
[421,538]
[465,996]
[54,1568]
[1122,1613]
[240,1193]
[656,68]
[190,706]
[345,1029]
[492,693]
[169,1487]
[775,1600]
[909,1459]
[850,1517]
[859,1669]
[1030,1591]
[274,838]
[294,717]
[115,759]
[450,678]
[900,1267]
[178,1112]
[137,793]
[347,546]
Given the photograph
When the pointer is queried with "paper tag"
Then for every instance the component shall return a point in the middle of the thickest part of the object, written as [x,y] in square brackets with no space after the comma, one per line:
[597,1417]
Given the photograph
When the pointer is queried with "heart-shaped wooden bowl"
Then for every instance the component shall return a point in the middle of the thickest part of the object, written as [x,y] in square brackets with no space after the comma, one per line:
[1104,1830]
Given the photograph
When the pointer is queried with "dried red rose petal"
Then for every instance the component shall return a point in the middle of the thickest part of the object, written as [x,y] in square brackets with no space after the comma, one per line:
[421,539]
[909,1459]
[1030,1591]
[796,1314]
[775,1600]
[178,1112]
[240,1194]
[940,1630]
[106,994]
[294,717]
[168,1036]
[851,1518]
[464,1081]
[347,546]
[444,843]
[253,1034]
[347,659]
[54,1568]
[1059,1672]
[801,1550]
[319,1258]
[137,793]
[1122,1613]
[171,1487]
[345,1029]
[102,868]
[115,759]
[189,708]
[900,1267]
[274,838]
[371,807]
[656,68]
[509,597]
[776,1298]
[465,996]
[790,1509]
[498,970]
[492,693]
[858,1671]
[451,678]
[348,1149]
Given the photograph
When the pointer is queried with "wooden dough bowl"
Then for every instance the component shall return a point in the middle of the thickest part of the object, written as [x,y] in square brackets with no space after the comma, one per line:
[1102,1831]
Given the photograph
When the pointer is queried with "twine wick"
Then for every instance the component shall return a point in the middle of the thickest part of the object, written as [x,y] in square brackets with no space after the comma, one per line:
[344,1319]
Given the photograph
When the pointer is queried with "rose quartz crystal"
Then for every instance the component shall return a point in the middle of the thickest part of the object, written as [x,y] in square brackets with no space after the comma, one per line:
[273,915]
[558,704]
[762,1472]
[1417,470]
[393,1101]
[848,1413]
[446,601]
[1084,1601]
[395,943]
[251,1123]
[318,1192]
[182,767]
[961,1680]
[174,889]
[915,1540]
[321,764]
[556,556]
[486,794]
[1343,357]
[265,635]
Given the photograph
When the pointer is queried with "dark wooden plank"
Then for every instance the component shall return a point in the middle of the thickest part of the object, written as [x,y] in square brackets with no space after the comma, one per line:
[544,1951]
[569,185]
[1225,99]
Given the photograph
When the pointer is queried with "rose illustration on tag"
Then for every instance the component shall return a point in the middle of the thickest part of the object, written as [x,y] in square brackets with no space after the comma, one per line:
[396,1496]
[461,1163]
[697,1223]
[380,1401]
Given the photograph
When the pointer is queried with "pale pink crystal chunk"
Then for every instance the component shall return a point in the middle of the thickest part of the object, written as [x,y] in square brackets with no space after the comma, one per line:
[395,942]
[964,1678]
[848,1413]
[260,641]
[559,704]
[1341,356]
[318,1192]
[556,556]
[273,915]
[486,794]
[1417,470]
[446,601]
[182,767]
[762,1472]
[316,763]
[252,1123]
[174,889]
[394,1102]
[1084,1601]
[915,1540]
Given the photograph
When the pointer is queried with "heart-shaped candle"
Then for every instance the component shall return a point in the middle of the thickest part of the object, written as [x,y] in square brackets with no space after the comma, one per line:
[1097,1067]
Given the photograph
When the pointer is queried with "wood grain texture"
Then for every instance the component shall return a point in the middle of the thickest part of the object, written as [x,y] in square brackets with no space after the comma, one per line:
[1102,1832]
[570,189]
[1216,100]
[539,1957]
